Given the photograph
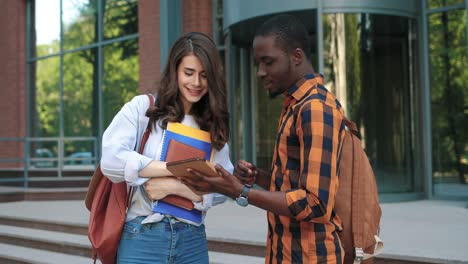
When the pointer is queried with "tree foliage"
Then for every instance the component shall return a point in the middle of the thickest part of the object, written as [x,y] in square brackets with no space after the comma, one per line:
[449,93]
[81,72]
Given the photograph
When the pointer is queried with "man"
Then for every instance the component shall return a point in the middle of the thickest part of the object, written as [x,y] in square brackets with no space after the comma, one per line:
[299,191]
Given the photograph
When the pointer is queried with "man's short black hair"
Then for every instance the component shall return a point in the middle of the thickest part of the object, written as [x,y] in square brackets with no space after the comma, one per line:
[289,31]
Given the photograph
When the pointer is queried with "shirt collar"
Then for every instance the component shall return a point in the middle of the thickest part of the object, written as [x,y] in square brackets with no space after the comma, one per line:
[301,87]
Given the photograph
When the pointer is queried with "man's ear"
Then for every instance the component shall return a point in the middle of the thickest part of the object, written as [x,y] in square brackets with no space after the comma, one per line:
[298,56]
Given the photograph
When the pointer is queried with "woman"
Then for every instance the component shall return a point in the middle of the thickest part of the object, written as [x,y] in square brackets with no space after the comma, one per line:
[192,91]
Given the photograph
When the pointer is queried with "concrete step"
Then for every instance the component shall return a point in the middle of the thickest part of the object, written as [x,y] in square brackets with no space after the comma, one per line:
[12,254]
[69,228]
[215,244]
[226,258]
[29,245]
[12,194]
[46,240]
[36,240]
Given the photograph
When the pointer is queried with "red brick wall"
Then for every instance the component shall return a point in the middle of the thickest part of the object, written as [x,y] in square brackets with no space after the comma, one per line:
[12,77]
[149,55]
[197,15]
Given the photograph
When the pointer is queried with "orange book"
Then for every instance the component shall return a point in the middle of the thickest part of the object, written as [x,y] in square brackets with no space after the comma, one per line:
[177,151]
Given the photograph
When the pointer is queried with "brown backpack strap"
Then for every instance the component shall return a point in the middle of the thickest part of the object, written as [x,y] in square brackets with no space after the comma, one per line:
[352,126]
[144,138]
[148,128]
[94,255]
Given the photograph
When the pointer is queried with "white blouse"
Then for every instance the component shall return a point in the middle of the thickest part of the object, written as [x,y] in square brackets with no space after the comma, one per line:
[121,161]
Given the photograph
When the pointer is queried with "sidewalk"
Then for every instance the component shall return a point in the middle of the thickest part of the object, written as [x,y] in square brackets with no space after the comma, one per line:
[424,231]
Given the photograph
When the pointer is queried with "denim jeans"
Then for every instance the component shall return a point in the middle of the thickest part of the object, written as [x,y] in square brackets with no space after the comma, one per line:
[168,241]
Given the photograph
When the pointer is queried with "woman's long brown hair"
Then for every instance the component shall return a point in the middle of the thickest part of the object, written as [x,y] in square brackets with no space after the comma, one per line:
[211,112]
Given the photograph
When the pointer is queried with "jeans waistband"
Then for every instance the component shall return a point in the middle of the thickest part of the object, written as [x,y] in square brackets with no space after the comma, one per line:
[169,222]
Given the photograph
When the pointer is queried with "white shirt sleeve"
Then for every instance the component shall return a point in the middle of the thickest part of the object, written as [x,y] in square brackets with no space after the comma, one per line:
[221,157]
[120,161]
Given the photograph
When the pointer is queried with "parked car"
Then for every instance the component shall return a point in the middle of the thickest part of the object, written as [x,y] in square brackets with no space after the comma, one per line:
[80,158]
[43,153]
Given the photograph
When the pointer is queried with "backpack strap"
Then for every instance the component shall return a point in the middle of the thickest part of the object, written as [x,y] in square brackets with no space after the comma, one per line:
[361,255]
[144,138]
[148,128]
[352,126]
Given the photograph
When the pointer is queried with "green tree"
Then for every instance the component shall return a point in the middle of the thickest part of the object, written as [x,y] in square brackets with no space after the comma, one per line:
[81,71]
[449,89]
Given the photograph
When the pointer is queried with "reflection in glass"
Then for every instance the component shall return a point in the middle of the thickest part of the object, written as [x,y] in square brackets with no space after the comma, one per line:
[120,18]
[442,3]
[449,91]
[46,27]
[120,80]
[237,136]
[46,114]
[79,23]
[79,153]
[267,109]
[369,65]
[267,120]
[79,71]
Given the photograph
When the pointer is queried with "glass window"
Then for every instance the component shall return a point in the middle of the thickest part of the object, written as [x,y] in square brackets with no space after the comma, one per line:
[79,81]
[45,122]
[267,115]
[267,110]
[237,136]
[442,3]
[79,23]
[79,153]
[120,18]
[448,56]
[369,66]
[120,80]
[46,28]
[83,72]
[45,114]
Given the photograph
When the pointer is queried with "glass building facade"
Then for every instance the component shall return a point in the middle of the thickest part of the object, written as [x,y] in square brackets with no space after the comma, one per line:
[399,68]
[82,67]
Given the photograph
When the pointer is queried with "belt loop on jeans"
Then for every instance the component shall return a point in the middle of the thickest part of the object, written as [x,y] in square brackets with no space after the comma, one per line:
[171,219]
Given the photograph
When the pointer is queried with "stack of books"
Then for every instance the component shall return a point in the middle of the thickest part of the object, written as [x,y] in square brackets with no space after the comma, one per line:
[182,142]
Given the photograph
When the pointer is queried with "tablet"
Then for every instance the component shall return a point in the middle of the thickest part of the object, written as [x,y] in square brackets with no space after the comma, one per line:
[179,168]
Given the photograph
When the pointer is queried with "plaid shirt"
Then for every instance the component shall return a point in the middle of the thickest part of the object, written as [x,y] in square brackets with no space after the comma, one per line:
[305,166]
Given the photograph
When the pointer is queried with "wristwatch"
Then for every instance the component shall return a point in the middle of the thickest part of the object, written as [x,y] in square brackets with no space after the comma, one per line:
[243,199]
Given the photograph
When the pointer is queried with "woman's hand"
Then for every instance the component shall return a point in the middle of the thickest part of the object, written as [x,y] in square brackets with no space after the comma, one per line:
[160,187]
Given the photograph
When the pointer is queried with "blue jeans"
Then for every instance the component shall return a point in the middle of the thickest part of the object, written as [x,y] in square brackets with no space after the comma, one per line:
[169,241]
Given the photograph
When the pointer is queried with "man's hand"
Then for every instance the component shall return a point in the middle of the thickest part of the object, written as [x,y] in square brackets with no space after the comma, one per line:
[160,187]
[246,172]
[226,183]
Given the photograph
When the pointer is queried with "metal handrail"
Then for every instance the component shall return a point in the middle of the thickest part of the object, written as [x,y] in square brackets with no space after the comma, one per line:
[57,163]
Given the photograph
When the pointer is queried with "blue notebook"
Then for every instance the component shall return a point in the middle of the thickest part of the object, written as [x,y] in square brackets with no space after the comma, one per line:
[193,215]
[200,143]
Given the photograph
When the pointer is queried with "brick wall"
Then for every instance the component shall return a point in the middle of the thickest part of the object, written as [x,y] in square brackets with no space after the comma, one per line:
[149,55]
[197,15]
[12,77]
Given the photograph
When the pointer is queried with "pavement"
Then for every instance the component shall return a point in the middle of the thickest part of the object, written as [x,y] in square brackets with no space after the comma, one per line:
[428,231]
